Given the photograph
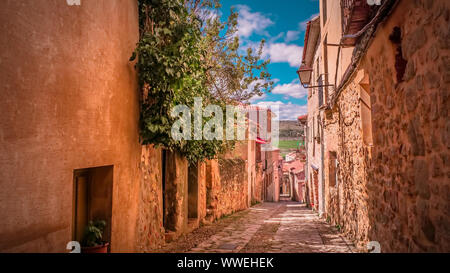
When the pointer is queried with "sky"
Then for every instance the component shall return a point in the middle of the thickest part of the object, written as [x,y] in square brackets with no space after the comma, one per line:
[282,24]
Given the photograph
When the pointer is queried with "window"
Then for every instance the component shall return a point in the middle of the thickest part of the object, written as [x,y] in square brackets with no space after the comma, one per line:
[316,76]
[332,169]
[320,88]
[193,190]
[324,11]
[317,69]
[314,138]
[318,129]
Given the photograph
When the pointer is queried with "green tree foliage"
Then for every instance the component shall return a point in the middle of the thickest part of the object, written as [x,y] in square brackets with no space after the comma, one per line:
[182,55]
[232,74]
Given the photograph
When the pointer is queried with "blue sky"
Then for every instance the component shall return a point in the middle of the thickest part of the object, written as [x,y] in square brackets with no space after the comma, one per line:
[282,24]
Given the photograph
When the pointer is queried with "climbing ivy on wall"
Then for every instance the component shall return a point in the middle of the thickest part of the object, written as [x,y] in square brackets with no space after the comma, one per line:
[169,61]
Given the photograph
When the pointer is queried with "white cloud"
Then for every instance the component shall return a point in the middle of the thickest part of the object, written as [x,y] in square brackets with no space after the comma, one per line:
[276,38]
[251,22]
[292,35]
[286,111]
[284,53]
[293,89]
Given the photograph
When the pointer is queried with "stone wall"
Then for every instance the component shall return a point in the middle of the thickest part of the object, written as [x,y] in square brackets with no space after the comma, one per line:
[176,194]
[232,194]
[409,189]
[346,203]
[333,194]
[396,190]
[258,185]
[201,192]
[212,184]
[226,187]
[150,230]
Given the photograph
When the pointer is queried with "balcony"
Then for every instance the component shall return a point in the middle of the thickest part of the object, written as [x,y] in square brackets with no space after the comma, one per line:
[355,15]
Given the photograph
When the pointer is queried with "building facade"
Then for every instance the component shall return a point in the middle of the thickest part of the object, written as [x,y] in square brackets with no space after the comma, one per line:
[312,58]
[385,122]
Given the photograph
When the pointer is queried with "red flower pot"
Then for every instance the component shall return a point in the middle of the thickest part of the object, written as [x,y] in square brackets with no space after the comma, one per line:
[95,249]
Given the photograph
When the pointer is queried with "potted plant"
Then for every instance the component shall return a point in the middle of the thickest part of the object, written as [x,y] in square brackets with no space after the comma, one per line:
[93,238]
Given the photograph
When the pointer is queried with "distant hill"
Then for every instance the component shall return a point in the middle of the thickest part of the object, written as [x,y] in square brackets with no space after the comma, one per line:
[290,134]
[290,130]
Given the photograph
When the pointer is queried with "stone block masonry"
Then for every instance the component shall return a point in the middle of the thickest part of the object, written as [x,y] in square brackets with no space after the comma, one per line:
[150,230]
[233,186]
[396,190]
[409,172]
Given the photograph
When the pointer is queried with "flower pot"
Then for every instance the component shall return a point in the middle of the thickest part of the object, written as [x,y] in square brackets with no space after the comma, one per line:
[95,249]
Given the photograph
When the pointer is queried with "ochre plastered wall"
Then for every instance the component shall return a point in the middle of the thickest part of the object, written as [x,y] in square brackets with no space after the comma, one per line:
[69,101]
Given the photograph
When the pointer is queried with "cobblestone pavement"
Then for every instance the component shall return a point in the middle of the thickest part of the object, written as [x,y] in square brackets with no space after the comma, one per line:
[276,227]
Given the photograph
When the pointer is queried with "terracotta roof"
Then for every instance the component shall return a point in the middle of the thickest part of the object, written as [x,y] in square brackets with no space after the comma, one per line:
[305,47]
[302,117]
[311,38]
[261,141]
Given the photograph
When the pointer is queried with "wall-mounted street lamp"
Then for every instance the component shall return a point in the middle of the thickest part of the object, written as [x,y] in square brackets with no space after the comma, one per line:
[304,73]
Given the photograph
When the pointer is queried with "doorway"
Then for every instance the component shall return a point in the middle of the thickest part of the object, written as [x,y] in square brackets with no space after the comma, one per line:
[316,189]
[193,192]
[92,200]
[163,186]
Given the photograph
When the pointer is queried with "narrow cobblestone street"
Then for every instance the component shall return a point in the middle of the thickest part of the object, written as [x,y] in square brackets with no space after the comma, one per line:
[284,227]
[213,126]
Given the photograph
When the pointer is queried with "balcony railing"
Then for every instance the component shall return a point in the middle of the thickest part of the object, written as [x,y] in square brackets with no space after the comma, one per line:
[355,14]
[347,9]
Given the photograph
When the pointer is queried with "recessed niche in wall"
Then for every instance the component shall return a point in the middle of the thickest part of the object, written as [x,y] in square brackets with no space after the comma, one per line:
[92,199]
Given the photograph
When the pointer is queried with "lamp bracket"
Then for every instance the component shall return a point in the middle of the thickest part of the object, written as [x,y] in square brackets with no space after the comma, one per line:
[315,86]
